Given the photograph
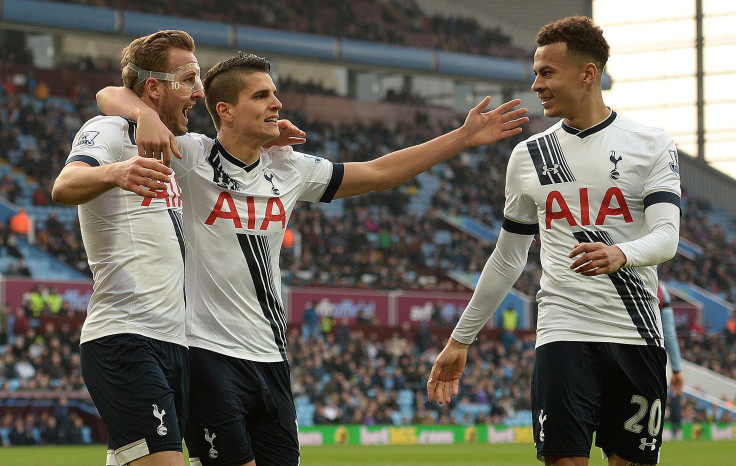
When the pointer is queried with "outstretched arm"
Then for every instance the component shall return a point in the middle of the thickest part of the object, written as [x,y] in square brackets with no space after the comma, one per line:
[397,167]
[152,137]
[79,182]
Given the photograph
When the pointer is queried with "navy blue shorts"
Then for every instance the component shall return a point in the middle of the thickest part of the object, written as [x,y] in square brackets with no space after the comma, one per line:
[240,411]
[618,391]
[140,387]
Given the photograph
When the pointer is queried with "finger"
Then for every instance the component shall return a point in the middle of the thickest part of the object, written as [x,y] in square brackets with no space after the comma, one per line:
[482,105]
[431,384]
[439,393]
[175,148]
[578,249]
[446,391]
[503,108]
[515,114]
[166,157]
[142,191]
[511,124]
[455,387]
[156,166]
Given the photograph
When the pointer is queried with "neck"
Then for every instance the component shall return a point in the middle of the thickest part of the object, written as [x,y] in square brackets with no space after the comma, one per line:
[239,147]
[592,110]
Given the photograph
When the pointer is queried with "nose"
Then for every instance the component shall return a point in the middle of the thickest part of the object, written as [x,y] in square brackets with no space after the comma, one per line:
[536,85]
[198,94]
[276,104]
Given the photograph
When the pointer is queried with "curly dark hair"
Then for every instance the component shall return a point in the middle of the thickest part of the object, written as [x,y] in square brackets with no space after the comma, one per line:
[224,81]
[583,38]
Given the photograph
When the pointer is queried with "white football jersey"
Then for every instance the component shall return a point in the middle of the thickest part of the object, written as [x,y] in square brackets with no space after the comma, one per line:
[592,186]
[235,217]
[134,245]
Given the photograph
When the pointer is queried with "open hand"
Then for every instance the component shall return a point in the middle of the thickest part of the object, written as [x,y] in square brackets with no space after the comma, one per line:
[486,128]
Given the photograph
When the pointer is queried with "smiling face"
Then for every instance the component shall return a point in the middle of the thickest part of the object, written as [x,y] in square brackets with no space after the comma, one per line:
[256,113]
[559,81]
[173,107]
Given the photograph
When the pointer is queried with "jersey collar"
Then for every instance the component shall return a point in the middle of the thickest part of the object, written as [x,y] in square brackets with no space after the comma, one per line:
[234,160]
[582,133]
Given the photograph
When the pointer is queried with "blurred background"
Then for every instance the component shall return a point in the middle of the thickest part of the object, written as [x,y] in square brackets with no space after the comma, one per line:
[372,285]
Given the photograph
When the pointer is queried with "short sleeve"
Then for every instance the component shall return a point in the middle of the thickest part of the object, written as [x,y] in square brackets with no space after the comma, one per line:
[520,206]
[99,141]
[320,178]
[194,147]
[665,174]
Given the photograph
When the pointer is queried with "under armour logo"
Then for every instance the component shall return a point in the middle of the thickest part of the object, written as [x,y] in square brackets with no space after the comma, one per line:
[614,173]
[542,418]
[549,171]
[161,429]
[211,440]
[269,178]
[644,444]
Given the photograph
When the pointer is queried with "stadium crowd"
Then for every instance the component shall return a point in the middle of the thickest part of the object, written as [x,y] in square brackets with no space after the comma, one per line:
[346,372]
[391,244]
[395,22]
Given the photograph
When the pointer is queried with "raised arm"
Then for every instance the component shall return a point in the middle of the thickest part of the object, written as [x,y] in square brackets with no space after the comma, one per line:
[397,167]
[80,182]
[152,137]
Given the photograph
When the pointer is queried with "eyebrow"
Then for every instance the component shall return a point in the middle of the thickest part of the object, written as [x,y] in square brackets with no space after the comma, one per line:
[542,69]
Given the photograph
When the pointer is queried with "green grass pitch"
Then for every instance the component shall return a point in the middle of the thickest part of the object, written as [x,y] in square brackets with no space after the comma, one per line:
[674,453]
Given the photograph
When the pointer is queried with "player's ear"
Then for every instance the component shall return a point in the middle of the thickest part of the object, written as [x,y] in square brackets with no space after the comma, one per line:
[590,72]
[152,87]
[224,110]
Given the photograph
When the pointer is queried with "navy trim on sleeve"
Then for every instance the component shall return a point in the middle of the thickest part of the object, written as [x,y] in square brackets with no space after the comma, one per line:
[132,128]
[338,172]
[663,197]
[520,228]
[91,161]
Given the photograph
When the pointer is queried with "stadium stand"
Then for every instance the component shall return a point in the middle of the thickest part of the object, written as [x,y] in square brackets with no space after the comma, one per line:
[408,238]
[393,22]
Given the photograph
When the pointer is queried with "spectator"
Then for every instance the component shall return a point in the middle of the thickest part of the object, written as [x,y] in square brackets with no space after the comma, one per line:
[18,323]
[509,322]
[22,433]
[327,323]
[51,434]
[20,223]
[730,329]
[53,301]
[310,321]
